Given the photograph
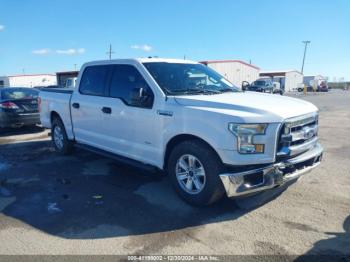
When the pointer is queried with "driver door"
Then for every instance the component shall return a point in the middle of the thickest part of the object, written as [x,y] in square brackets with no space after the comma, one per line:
[132,128]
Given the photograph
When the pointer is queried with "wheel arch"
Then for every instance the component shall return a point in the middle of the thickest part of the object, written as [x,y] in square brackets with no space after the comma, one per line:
[179,139]
[68,128]
[54,115]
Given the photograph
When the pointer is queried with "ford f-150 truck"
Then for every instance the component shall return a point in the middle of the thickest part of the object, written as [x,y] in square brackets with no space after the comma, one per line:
[183,118]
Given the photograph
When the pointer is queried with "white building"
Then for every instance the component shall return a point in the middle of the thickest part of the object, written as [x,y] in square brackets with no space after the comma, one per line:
[28,80]
[289,80]
[235,71]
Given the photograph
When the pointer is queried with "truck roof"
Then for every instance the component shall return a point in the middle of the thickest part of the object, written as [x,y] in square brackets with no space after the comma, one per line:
[141,60]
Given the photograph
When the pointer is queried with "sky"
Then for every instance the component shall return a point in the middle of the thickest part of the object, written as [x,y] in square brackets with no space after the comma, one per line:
[41,36]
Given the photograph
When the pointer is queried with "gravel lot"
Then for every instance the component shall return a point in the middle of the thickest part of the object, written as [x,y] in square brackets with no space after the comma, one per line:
[87,204]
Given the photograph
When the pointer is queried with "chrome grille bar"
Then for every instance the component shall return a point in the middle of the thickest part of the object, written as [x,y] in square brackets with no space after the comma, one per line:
[298,135]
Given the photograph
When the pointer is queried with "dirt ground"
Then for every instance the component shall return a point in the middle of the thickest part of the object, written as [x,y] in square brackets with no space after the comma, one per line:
[88,204]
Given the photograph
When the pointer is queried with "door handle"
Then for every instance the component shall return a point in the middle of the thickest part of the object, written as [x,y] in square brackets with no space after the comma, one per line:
[106,110]
[76,105]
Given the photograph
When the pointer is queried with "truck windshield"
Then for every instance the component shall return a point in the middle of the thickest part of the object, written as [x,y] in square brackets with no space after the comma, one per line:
[180,79]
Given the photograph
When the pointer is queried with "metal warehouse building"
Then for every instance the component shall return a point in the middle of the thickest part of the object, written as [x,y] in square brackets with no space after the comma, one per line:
[235,71]
[28,80]
[289,80]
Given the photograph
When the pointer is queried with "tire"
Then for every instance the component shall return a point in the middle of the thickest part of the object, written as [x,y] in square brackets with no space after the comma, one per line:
[59,137]
[212,189]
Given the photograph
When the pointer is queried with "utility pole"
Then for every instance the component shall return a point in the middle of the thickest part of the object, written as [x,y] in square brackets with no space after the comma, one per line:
[305,43]
[75,67]
[110,52]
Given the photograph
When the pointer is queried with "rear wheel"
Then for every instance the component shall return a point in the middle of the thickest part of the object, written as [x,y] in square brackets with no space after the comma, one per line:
[194,169]
[59,137]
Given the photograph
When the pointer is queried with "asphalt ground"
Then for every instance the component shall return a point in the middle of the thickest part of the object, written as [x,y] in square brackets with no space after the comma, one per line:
[87,204]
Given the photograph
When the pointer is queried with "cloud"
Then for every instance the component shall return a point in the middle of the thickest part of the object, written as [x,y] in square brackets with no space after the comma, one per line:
[43,51]
[71,51]
[2,27]
[145,48]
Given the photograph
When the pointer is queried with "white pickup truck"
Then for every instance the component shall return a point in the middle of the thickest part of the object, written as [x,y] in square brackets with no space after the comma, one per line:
[184,118]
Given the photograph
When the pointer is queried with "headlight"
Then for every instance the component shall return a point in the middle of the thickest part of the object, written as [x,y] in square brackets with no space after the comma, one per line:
[245,134]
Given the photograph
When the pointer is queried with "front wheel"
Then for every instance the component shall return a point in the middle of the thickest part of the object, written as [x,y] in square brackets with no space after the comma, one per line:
[194,170]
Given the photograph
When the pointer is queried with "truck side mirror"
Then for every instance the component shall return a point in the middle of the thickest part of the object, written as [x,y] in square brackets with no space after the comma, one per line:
[140,97]
[245,85]
[136,95]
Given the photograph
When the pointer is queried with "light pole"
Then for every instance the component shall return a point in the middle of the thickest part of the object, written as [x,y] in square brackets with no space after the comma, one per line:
[306,43]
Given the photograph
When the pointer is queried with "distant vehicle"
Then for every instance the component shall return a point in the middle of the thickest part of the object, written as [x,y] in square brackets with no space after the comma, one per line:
[184,118]
[308,89]
[264,85]
[322,87]
[70,82]
[19,107]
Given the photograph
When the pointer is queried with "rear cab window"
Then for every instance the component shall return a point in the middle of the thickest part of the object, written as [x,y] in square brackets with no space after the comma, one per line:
[94,80]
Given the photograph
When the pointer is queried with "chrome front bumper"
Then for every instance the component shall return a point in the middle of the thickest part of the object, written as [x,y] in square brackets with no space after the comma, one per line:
[256,180]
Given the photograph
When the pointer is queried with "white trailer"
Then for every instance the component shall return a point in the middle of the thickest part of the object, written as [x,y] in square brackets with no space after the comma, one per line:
[235,71]
[28,80]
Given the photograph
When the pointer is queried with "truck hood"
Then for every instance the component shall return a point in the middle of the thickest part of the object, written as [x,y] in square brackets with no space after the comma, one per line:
[249,106]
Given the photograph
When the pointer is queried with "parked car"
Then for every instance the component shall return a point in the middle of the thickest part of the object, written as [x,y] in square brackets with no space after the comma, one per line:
[264,85]
[184,118]
[18,107]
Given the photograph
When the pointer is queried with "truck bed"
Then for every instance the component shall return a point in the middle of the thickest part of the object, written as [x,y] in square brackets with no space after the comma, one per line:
[56,101]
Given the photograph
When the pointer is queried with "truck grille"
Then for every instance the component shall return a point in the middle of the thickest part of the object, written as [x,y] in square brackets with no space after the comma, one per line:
[297,135]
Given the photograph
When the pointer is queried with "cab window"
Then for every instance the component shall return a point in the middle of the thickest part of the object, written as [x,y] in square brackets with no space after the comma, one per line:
[93,81]
[129,85]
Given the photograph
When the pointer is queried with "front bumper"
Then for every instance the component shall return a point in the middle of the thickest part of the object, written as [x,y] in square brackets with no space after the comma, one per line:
[261,179]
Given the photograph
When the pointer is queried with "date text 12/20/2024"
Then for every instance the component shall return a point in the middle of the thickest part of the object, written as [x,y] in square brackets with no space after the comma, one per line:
[173,258]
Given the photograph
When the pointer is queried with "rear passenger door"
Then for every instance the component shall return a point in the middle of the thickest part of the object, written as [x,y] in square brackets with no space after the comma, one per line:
[133,126]
[87,106]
